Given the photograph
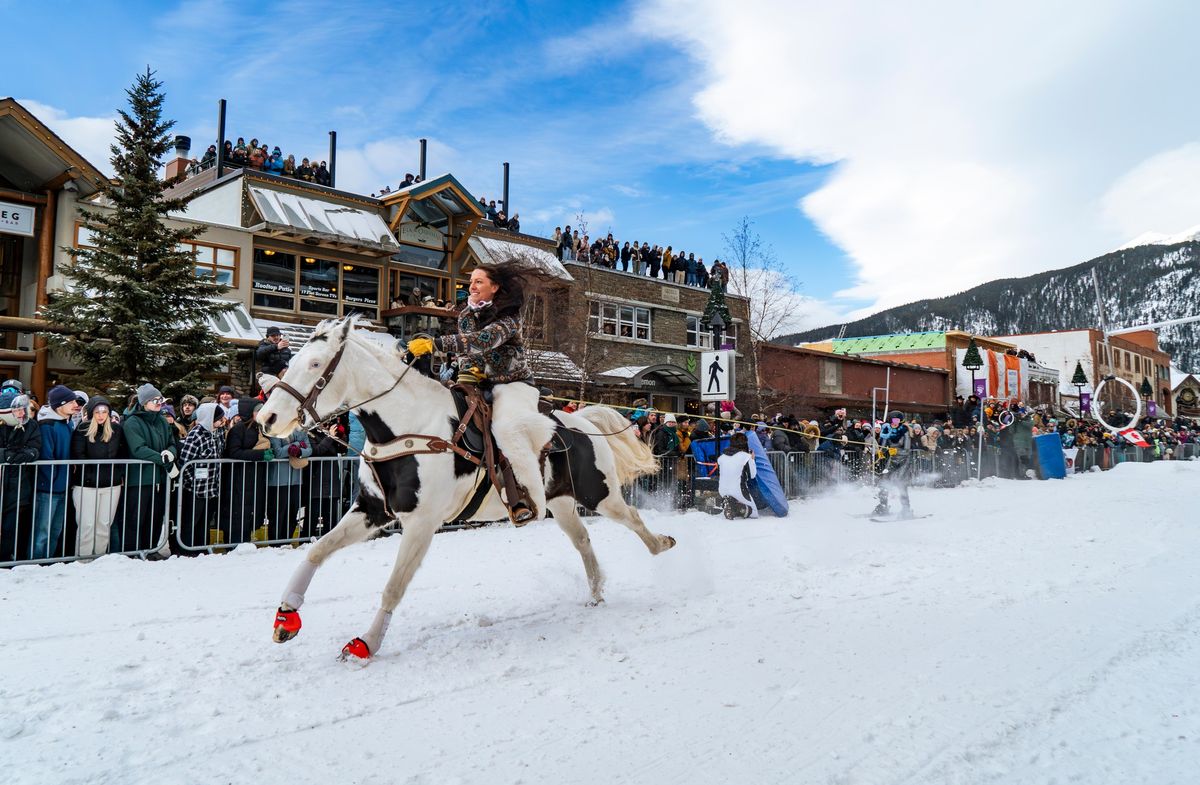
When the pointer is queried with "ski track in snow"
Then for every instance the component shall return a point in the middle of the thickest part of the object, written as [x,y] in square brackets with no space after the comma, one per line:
[1027,632]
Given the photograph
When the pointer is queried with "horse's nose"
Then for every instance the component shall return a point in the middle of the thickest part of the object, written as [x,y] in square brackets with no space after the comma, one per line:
[271,420]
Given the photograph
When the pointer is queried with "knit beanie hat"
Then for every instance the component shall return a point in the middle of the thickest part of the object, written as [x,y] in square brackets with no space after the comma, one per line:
[146,393]
[60,395]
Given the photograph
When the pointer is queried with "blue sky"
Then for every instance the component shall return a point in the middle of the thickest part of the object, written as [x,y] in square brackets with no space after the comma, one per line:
[887,151]
[592,115]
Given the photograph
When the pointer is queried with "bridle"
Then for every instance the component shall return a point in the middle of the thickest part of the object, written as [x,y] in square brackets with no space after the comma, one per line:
[308,402]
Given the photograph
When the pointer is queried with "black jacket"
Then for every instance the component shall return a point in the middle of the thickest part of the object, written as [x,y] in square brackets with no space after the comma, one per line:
[96,475]
[270,358]
[242,438]
[19,446]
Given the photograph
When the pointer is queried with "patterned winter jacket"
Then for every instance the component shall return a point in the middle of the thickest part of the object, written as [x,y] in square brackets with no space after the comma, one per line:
[490,343]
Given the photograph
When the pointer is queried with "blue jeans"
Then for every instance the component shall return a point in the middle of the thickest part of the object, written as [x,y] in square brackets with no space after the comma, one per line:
[49,518]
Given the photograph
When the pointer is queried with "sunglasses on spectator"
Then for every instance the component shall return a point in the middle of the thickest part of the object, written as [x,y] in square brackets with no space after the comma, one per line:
[159,400]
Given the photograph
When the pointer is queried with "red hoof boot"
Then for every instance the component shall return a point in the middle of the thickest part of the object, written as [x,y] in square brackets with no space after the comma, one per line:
[287,625]
[355,650]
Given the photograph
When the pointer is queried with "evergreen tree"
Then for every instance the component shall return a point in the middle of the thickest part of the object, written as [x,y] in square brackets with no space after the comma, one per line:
[971,360]
[1080,378]
[716,303]
[1146,390]
[135,309]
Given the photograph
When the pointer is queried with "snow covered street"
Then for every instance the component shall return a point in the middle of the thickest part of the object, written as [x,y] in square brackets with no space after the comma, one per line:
[1027,632]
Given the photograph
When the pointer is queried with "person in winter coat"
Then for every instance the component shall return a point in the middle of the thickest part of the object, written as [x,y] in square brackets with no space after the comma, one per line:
[247,482]
[1022,440]
[779,441]
[50,505]
[735,470]
[205,443]
[274,164]
[284,478]
[273,353]
[97,496]
[186,416]
[20,444]
[227,399]
[150,438]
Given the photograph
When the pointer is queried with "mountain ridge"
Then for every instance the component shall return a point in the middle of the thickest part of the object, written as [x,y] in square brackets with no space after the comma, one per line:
[1146,283]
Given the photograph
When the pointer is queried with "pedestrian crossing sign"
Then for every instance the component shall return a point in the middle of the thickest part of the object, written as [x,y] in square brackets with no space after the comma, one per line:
[717,379]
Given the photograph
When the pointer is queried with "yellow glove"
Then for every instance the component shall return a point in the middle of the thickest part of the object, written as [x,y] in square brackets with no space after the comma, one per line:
[419,346]
[470,376]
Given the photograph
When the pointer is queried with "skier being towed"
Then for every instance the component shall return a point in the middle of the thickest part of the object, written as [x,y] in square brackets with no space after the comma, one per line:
[894,465]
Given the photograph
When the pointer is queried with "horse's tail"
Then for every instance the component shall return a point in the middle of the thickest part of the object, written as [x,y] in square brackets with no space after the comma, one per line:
[633,456]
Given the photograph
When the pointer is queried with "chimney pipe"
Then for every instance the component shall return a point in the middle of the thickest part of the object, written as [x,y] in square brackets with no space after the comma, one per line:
[178,168]
[421,162]
[332,159]
[507,214]
[220,138]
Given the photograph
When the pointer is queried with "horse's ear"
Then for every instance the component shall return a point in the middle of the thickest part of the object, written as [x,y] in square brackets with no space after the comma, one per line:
[349,322]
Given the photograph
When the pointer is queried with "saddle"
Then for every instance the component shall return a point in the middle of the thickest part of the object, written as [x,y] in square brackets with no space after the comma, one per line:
[474,436]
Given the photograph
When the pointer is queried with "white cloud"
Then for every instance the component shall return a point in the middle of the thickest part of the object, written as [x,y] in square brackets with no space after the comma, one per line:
[1160,195]
[972,141]
[91,137]
[369,168]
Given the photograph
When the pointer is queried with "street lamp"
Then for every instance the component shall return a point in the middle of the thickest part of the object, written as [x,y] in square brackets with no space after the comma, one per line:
[972,362]
[718,326]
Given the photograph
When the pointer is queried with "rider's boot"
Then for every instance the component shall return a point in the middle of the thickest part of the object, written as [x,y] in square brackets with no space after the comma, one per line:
[521,509]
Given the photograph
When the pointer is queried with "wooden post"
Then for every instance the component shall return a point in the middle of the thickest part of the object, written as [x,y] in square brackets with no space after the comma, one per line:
[45,269]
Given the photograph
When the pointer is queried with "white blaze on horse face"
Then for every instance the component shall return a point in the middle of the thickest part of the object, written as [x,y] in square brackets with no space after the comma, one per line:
[303,371]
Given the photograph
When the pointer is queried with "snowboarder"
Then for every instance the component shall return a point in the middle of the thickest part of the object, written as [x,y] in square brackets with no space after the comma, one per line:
[894,466]
[735,470]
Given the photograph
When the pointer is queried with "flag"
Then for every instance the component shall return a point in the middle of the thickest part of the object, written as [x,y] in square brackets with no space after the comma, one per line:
[1133,436]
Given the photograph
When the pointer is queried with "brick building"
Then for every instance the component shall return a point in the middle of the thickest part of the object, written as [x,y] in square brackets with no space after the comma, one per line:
[806,382]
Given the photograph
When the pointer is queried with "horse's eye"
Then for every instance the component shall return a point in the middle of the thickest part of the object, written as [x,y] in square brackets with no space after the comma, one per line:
[313,364]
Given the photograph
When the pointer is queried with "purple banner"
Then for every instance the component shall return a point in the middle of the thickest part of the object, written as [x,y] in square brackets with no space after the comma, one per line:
[1085,403]
[981,388]
[1152,408]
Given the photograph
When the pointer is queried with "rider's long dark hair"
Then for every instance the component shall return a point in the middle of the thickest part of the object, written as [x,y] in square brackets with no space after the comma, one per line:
[510,298]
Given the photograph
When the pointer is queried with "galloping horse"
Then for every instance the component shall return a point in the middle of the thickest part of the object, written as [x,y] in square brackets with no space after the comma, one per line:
[410,473]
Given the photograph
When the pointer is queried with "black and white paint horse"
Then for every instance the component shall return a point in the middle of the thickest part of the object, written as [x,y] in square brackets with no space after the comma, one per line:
[596,451]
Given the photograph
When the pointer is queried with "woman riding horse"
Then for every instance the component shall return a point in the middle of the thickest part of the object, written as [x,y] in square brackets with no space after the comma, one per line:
[489,349]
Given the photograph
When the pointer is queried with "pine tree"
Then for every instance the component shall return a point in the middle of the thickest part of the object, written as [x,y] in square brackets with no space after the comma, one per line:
[1146,390]
[972,360]
[135,309]
[1080,378]
[716,303]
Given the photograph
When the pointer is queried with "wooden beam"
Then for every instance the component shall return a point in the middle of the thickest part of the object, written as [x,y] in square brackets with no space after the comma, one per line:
[22,324]
[468,230]
[21,196]
[57,182]
[18,355]
[45,269]
[401,207]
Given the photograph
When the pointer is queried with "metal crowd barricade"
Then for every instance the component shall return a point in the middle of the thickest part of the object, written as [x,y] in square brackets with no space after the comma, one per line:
[221,503]
[72,510]
[670,486]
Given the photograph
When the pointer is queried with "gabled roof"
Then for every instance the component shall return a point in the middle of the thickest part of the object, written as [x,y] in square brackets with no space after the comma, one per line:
[31,155]
[444,191]
[901,342]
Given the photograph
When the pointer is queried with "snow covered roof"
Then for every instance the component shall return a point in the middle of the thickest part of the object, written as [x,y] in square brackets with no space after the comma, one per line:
[492,250]
[322,219]
[553,365]
[1179,376]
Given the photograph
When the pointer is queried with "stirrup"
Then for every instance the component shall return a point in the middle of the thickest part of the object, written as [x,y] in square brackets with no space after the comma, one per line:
[521,514]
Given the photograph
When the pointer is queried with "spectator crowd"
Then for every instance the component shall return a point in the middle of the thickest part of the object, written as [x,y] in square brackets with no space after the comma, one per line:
[643,258]
[256,155]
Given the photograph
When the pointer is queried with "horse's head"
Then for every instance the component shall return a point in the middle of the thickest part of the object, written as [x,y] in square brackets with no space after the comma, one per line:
[315,383]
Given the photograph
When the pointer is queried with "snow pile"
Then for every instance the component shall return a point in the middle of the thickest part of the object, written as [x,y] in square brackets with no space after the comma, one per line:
[1030,632]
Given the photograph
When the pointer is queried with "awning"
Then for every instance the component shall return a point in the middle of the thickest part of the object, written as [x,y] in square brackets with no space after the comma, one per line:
[636,375]
[235,324]
[491,250]
[292,214]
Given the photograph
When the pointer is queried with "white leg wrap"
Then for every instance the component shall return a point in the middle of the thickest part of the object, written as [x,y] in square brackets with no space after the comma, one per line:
[293,595]
[374,636]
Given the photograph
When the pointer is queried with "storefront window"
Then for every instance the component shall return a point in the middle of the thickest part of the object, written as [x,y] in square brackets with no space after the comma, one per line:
[404,282]
[326,287]
[360,290]
[274,279]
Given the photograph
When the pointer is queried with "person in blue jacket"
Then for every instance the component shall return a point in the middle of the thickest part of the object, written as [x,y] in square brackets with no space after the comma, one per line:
[50,504]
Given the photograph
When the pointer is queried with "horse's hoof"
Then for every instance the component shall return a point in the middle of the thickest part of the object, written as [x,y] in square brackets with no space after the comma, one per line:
[596,601]
[355,651]
[287,625]
[668,542]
